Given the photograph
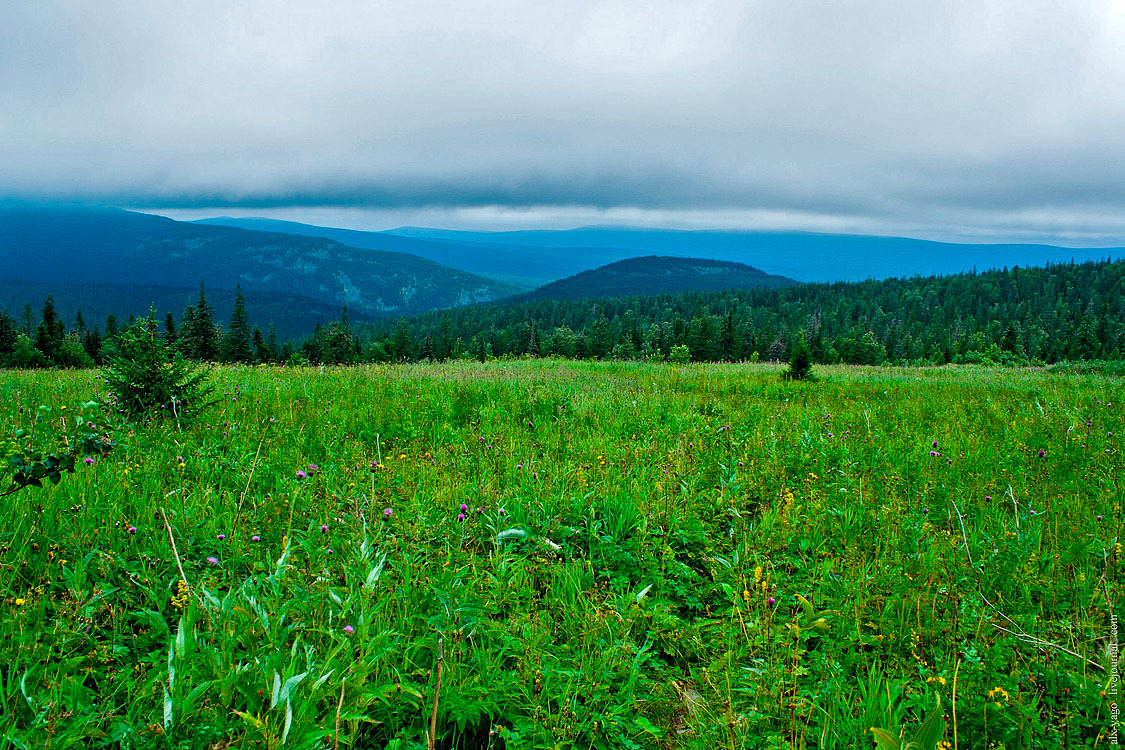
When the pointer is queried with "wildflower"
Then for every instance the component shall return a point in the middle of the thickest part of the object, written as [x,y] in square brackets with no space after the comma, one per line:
[19,602]
[935,444]
[1042,453]
[323,528]
[313,468]
[212,561]
[460,516]
[220,537]
[255,538]
[771,601]
[349,629]
[464,507]
[179,601]
[388,513]
[301,474]
[132,529]
[88,461]
[988,497]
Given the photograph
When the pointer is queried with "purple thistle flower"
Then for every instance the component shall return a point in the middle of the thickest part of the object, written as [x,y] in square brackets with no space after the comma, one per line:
[460,516]
[212,561]
[323,528]
[935,444]
[301,474]
[132,529]
[313,468]
[388,513]
[464,507]
[255,538]
[349,629]
[771,601]
[88,461]
[1042,453]
[220,537]
[988,497]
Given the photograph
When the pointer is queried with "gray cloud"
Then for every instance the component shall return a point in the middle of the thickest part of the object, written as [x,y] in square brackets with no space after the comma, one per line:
[985,117]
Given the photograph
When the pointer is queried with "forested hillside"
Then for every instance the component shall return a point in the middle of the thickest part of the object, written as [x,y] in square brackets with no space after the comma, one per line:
[1060,312]
[658,274]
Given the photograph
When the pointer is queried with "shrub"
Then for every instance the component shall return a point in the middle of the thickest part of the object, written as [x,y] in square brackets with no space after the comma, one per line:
[149,376]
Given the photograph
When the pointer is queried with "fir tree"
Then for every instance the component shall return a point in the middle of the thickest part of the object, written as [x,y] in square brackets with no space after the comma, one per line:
[170,329]
[8,334]
[236,343]
[51,331]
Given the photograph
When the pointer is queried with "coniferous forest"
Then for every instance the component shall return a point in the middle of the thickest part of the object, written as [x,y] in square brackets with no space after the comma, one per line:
[1059,313]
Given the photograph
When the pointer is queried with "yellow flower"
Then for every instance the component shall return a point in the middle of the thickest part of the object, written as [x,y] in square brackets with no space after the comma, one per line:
[19,602]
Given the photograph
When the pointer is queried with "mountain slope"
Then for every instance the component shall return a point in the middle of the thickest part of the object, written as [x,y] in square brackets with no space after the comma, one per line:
[111,246]
[800,256]
[528,267]
[659,275]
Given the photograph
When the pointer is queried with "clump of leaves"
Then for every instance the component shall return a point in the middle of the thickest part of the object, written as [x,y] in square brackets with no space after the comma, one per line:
[28,459]
[148,376]
[928,736]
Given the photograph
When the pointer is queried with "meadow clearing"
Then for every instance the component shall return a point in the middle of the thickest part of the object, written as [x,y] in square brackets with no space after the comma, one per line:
[612,555]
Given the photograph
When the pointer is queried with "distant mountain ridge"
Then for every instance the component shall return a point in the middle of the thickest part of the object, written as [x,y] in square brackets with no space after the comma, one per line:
[80,245]
[656,274]
[802,256]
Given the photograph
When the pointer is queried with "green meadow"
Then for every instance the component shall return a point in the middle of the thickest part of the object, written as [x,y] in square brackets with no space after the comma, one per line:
[604,555]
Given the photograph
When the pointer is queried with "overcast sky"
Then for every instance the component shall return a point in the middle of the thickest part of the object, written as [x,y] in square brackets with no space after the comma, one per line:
[944,118]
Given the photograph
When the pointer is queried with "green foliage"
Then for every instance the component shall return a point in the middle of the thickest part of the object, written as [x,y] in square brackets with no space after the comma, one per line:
[650,557]
[929,734]
[680,354]
[30,456]
[800,363]
[148,377]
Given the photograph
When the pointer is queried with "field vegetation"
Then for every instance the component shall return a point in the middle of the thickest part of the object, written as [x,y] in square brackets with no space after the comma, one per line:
[582,554]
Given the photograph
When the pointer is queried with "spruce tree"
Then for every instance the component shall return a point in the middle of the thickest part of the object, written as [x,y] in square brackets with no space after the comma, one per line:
[49,336]
[170,329]
[205,334]
[8,334]
[800,364]
[236,342]
[261,351]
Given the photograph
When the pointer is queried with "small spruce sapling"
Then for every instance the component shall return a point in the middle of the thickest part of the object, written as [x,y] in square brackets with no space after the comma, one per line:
[800,363]
[149,376]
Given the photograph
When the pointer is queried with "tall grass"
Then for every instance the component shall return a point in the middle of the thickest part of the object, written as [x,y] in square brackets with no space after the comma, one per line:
[650,556]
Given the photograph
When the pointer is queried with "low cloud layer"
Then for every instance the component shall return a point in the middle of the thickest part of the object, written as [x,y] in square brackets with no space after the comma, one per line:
[990,119]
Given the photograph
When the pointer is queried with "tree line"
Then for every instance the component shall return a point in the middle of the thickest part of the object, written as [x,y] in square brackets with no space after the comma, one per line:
[1063,312]
[1046,314]
[47,341]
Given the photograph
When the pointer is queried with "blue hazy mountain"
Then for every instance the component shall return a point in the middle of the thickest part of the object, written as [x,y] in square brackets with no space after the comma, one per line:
[800,256]
[527,267]
[659,275]
[105,246]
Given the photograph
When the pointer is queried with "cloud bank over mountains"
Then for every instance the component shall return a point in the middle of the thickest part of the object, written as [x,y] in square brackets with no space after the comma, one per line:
[991,119]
